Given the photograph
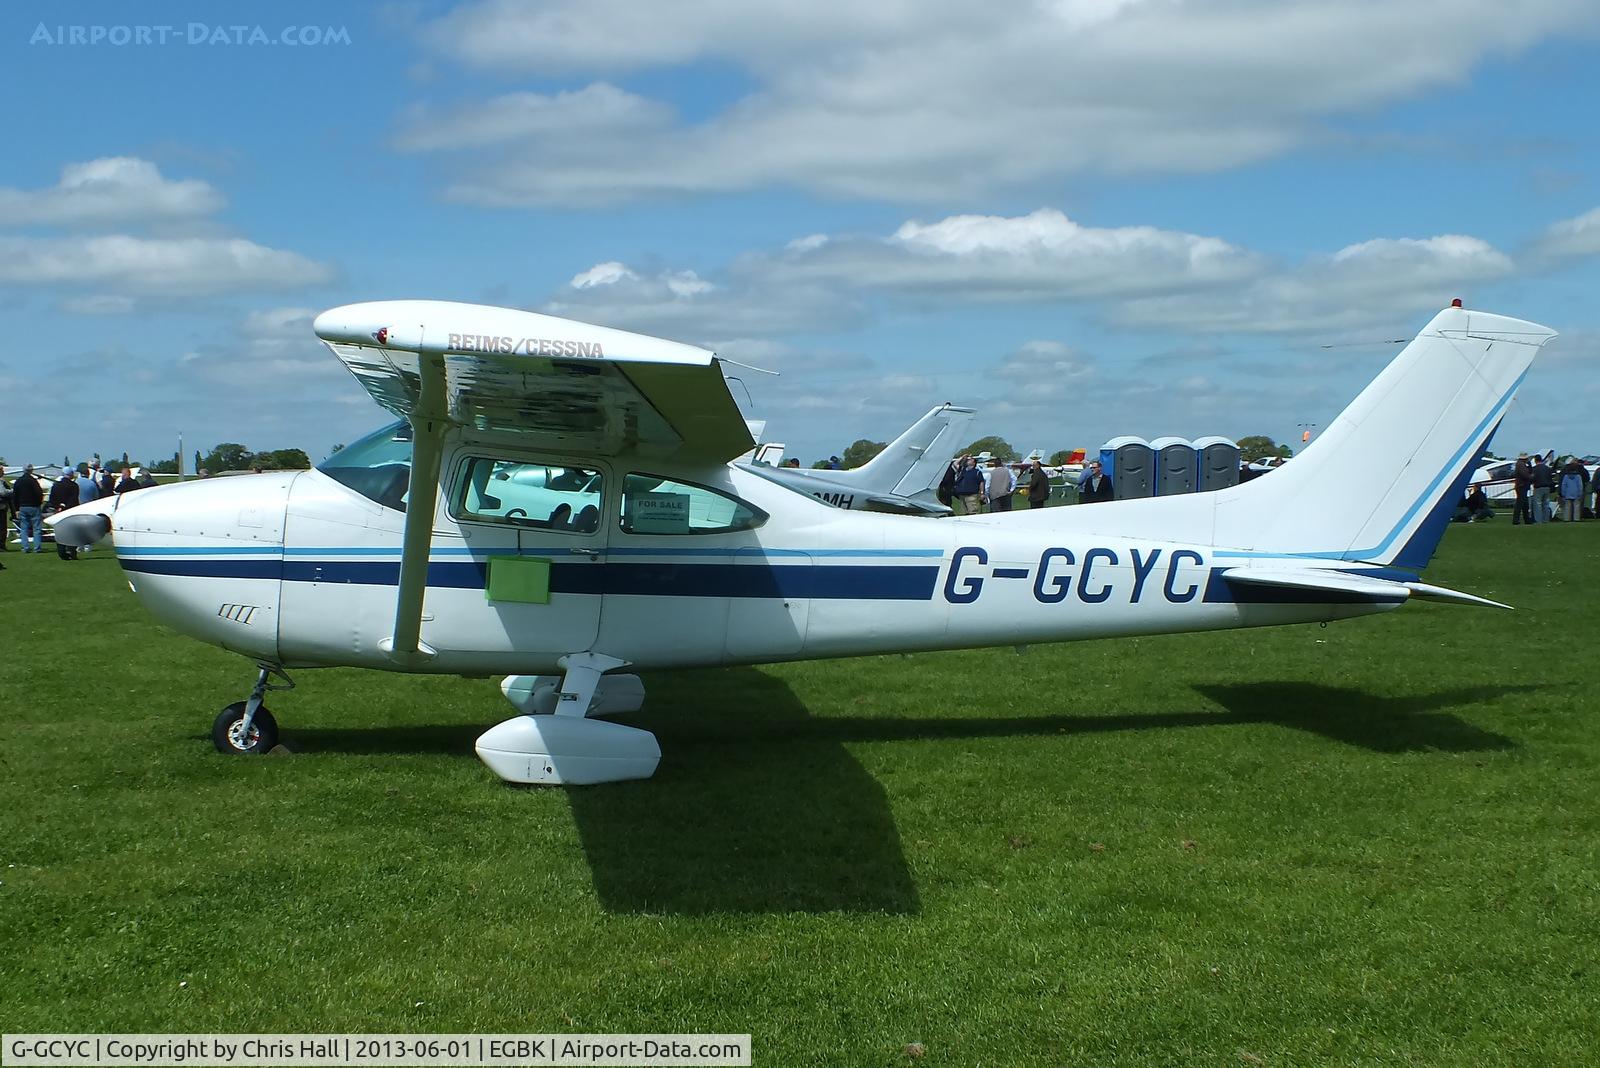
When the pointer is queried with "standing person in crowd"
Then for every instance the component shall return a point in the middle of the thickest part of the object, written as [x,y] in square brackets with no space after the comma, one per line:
[1000,485]
[63,492]
[1594,485]
[5,511]
[1544,480]
[27,496]
[1038,485]
[1096,487]
[1522,483]
[108,482]
[1574,480]
[88,488]
[64,495]
[968,487]
[127,482]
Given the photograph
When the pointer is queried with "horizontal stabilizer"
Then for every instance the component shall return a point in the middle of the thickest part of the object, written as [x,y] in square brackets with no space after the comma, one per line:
[1332,582]
[906,506]
[1426,592]
[1344,584]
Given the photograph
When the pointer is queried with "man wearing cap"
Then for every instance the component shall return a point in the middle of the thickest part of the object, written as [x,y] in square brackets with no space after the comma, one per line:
[999,485]
[27,496]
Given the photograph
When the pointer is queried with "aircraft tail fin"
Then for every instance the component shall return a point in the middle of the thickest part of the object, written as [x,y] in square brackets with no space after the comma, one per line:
[916,459]
[1381,483]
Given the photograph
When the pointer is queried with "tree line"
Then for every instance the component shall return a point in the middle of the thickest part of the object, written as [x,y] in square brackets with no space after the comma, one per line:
[232,456]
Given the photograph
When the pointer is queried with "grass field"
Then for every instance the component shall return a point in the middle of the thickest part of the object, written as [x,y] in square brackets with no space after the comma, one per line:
[1375,843]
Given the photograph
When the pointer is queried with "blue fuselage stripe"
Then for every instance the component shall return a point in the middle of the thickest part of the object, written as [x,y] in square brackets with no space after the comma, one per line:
[824,581]
[877,582]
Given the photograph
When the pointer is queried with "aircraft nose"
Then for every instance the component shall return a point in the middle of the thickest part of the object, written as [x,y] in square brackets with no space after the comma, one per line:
[206,557]
[82,525]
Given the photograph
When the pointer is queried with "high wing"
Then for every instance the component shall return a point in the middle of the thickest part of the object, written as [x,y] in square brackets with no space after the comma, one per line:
[551,382]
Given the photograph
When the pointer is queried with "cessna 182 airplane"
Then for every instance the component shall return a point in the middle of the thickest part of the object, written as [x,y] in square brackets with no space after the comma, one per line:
[902,478]
[556,504]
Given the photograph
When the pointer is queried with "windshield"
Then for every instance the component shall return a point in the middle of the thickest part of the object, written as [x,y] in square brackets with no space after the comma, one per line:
[378,466]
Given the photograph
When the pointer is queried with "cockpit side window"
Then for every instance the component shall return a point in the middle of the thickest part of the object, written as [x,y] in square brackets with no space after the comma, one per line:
[556,497]
[378,466]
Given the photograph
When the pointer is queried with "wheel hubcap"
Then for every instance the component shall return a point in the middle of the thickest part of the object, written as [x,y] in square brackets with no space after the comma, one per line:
[239,738]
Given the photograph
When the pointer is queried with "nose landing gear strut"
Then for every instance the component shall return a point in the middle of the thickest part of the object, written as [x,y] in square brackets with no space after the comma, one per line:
[248,726]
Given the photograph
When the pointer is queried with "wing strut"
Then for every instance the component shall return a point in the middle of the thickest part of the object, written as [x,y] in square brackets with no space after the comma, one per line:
[428,426]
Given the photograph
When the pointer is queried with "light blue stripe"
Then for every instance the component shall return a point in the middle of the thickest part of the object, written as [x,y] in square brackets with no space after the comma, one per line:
[541,550]
[185,550]
[1426,497]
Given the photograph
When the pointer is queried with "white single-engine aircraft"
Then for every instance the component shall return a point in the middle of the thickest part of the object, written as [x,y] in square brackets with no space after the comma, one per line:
[556,504]
[902,478]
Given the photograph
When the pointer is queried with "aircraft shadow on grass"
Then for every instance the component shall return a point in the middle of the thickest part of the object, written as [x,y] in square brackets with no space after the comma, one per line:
[730,822]
[759,807]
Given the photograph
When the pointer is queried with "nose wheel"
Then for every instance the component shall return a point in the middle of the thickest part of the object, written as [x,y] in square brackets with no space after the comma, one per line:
[247,726]
[232,734]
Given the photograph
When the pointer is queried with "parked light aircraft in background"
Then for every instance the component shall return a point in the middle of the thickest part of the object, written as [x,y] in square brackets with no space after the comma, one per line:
[408,550]
[1497,477]
[903,478]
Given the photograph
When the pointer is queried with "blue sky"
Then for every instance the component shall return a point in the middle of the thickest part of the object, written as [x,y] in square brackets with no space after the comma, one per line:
[1086,218]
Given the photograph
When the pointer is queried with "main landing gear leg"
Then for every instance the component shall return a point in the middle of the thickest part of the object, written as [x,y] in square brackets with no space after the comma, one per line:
[565,747]
[248,726]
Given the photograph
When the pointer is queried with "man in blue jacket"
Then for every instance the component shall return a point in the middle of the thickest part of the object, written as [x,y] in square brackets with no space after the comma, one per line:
[968,487]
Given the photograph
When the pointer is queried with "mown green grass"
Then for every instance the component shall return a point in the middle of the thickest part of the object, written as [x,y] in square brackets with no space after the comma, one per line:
[1375,843]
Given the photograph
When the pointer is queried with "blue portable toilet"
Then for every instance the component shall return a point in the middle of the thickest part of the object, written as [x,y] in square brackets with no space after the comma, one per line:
[1130,463]
[1174,466]
[1216,463]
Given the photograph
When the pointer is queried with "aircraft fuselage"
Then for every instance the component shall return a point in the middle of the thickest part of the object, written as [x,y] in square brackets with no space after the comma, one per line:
[297,569]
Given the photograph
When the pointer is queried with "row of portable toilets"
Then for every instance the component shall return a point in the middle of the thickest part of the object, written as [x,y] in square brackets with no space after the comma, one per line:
[1165,466]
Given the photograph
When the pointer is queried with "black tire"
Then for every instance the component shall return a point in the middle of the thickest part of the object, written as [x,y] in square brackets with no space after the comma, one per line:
[263,731]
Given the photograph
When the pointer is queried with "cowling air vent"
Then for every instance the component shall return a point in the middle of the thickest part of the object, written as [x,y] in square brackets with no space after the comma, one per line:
[238,613]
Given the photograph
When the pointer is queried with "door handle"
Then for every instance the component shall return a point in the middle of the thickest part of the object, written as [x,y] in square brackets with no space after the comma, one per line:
[585,552]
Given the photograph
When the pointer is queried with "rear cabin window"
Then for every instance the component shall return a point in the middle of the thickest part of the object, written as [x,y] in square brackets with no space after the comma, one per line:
[655,505]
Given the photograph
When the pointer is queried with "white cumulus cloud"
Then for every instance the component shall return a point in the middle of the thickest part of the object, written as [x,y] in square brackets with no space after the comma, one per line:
[165,266]
[938,99]
[115,190]
[1040,256]
[1390,280]
[1570,238]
